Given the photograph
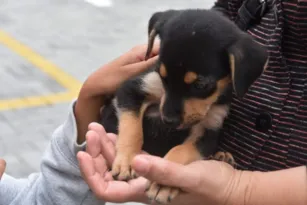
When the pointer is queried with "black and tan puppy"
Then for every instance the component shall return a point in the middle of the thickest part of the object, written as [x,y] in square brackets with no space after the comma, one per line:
[185,97]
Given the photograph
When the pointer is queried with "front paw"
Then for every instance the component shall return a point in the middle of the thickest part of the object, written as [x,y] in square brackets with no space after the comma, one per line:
[121,169]
[225,157]
[161,194]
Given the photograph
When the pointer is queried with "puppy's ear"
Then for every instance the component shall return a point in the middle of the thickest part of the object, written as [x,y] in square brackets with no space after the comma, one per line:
[248,60]
[155,26]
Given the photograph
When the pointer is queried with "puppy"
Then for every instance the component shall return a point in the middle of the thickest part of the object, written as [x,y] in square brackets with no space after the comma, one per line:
[186,95]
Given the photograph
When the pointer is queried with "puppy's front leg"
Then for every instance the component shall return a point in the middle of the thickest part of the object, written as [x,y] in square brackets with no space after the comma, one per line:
[183,154]
[129,144]
[132,100]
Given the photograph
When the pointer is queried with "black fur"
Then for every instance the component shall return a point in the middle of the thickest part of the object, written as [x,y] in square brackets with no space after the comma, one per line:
[191,40]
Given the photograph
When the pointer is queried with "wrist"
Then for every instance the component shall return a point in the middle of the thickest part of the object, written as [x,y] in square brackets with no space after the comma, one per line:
[288,186]
[239,188]
[86,110]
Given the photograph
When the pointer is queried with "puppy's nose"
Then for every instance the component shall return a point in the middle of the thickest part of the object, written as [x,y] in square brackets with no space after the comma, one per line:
[171,121]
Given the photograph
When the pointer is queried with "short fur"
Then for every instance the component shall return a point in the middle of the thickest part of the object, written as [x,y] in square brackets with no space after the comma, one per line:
[176,108]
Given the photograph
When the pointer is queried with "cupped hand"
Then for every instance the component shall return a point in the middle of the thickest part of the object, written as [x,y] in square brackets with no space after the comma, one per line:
[94,163]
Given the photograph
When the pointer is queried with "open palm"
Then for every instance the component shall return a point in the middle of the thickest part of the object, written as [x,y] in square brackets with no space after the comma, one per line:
[95,163]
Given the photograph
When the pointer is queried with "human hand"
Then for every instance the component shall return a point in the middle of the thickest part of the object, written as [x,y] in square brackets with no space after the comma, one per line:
[2,167]
[105,81]
[94,163]
[202,182]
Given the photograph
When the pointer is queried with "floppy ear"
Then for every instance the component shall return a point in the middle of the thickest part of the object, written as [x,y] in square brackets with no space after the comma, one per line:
[155,25]
[248,60]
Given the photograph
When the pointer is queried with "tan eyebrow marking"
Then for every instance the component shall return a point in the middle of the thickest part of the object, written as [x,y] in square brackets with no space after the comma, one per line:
[190,77]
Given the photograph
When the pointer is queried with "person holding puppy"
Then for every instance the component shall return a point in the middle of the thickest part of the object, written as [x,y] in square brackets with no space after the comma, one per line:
[265,131]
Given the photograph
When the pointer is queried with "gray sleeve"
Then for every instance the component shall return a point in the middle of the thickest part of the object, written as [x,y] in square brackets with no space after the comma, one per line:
[59,181]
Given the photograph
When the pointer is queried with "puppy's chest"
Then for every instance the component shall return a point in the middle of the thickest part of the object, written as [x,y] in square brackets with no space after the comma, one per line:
[152,85]
[215,117]
[213,121]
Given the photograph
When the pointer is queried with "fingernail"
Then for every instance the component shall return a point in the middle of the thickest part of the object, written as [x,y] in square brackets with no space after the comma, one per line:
[141,165]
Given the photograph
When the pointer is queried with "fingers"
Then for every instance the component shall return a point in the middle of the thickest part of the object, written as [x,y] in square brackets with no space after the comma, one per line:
[112,137]
[136,68]
[160,170]
[93,139]
[86,164]
[121,192]
[105,187]
[93,178]
[101,143]
[2,167]
[94,147]
[140,51]
[108,148]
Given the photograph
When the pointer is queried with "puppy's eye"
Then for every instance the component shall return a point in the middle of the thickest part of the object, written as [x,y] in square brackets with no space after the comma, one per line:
[202,88]
[200,85]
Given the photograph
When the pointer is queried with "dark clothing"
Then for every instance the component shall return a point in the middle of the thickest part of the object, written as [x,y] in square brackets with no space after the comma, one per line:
[267,129]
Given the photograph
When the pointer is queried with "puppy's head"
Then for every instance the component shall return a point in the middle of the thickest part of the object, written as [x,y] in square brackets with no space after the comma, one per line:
[201,54]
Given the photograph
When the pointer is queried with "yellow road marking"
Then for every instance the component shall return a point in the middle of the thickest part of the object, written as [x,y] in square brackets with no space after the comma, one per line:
[34,101]
[67,81]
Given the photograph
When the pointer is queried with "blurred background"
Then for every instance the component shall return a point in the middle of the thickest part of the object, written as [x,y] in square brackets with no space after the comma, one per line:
[47,49]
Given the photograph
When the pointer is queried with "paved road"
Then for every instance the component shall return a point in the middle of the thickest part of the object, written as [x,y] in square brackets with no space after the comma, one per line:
[77,38]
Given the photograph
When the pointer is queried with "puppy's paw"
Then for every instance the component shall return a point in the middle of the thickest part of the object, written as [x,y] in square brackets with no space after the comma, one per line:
[225,157]
[161,194]
[121,169]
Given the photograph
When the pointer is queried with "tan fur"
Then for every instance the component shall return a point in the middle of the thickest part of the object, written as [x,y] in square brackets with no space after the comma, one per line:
[190,77]
[232,66]
[151,39]
[197,109]
[182,154]
[163,71]
[213,120]
[225,157]
[196,132]
[129,142]
[162,101]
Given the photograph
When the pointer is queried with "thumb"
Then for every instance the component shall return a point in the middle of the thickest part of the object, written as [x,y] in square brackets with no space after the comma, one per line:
[166,172]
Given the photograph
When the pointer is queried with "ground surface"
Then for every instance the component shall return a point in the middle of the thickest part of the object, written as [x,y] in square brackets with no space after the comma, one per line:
[67,40]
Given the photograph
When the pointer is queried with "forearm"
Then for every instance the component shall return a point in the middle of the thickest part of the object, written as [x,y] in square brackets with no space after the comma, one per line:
[284,187]
[92,96]
[87,110]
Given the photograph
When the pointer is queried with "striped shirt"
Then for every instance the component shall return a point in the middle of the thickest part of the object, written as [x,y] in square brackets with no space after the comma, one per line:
[267,129]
